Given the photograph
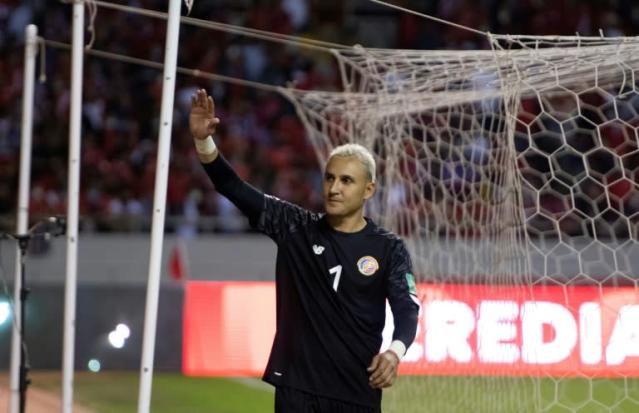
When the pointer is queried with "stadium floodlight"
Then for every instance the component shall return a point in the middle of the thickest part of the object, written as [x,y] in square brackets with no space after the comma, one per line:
[117,337]
[94,365]
[123,330]
[116,340]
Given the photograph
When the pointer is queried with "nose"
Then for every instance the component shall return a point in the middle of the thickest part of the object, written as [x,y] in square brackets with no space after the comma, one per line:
[334,188]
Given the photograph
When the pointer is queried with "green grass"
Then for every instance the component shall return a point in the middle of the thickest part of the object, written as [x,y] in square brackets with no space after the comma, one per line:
[510,395]
[117,392]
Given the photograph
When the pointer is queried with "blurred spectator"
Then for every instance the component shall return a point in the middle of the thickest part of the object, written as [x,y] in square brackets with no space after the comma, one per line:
[260,132]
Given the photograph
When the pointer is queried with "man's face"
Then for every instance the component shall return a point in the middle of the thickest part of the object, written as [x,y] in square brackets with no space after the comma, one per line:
[346,186]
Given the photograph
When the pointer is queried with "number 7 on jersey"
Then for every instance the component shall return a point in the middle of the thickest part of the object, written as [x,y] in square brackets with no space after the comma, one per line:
[337,270]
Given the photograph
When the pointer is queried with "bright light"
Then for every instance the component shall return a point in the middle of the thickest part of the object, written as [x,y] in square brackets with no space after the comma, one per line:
[116,339]
[123,330]
[118,336]
[94,365]
[5,312]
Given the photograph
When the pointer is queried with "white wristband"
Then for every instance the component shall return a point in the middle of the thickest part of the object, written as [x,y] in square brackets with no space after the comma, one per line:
[205,146]
[398,348]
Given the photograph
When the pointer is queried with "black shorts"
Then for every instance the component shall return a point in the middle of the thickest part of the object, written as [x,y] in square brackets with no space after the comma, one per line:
[288,400]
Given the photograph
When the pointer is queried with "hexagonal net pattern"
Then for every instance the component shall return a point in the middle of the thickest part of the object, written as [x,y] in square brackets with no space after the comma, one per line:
[516,167]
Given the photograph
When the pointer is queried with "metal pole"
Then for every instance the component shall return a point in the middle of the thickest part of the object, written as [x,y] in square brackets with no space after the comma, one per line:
[73,200]
[24,364]
[30,53]
[159,205]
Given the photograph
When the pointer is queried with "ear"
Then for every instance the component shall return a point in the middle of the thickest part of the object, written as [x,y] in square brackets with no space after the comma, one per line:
[370,190]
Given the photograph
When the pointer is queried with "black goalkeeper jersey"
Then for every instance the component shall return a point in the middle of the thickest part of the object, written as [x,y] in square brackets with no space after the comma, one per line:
[331,292]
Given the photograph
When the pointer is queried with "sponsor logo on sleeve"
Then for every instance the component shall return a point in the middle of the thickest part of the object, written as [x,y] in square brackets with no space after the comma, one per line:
[412,288]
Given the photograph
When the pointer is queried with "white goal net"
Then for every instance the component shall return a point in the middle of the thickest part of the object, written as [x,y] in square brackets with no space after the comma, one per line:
[513,175]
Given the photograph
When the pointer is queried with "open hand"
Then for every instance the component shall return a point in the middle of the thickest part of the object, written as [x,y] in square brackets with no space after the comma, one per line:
[383,370]
[202,120]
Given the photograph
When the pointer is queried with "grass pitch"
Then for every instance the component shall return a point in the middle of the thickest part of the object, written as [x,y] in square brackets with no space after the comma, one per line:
[511,395]
[117,392]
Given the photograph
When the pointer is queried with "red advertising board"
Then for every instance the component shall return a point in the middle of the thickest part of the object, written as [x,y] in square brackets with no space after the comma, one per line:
[463,330]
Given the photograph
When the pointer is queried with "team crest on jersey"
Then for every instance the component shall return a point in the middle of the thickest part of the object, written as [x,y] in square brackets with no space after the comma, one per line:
[367,265]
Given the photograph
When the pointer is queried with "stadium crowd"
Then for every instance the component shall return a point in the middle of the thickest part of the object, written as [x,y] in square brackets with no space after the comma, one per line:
[260,132]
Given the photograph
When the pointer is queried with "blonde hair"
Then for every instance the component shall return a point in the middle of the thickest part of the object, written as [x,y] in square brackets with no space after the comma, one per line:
[361,153]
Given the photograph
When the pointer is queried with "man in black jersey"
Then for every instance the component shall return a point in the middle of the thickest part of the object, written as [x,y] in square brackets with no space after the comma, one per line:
[334,273]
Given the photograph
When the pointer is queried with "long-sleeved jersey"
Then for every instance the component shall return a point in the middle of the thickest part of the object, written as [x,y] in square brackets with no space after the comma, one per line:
[331,290]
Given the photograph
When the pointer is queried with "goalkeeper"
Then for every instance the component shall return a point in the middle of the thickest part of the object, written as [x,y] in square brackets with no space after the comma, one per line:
[334,273]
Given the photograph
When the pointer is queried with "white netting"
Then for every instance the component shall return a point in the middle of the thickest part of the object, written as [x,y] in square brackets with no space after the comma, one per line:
[512,166]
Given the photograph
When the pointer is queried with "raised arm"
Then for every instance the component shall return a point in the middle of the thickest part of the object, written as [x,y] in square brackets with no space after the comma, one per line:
[202,122]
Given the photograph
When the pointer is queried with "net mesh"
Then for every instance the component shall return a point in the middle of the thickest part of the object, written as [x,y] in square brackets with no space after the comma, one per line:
[516,166]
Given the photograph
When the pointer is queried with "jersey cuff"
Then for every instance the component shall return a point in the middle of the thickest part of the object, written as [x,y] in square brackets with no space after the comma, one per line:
[398,348]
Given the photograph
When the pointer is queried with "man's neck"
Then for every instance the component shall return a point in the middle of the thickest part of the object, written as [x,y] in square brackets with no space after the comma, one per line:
[351,223]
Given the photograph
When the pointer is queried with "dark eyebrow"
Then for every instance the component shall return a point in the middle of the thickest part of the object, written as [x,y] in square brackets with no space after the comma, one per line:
[331,175]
